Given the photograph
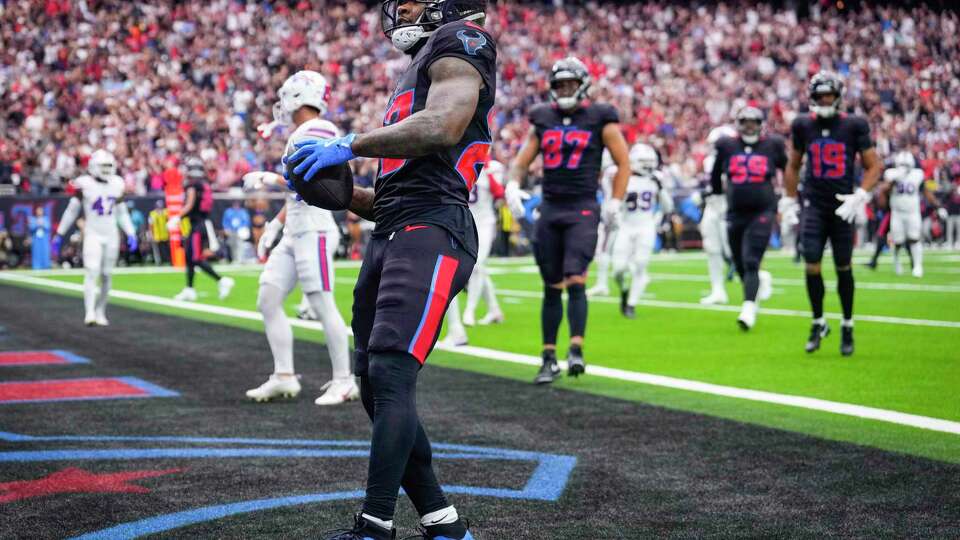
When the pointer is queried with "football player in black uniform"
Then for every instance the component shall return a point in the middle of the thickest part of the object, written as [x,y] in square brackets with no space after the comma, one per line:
[197,204]
[750,163]
[830,140]
[435,140]
[570,133]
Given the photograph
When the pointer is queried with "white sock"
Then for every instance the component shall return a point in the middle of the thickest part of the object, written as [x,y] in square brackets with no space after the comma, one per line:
[475,289]
[717,274]
[638,285]
[440,517]
[490,294]
[847,323]
[916,249]
[821,321]
[104,294]
[277,327]
[455,327]
[603,268]
[90,292]
[324,305]
[377,521]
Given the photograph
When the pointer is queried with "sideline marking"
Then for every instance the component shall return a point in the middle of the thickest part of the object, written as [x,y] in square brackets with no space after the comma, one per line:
[83,389]
[847,409]
[37,358]
[546,483]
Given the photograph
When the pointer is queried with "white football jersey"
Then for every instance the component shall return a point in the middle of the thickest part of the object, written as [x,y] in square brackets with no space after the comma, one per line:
[643,201]
[302,217]
[905,193]
[606,181]
[100,199]
[487,188]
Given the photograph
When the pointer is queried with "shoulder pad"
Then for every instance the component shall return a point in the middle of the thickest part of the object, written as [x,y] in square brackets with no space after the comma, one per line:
[313,129]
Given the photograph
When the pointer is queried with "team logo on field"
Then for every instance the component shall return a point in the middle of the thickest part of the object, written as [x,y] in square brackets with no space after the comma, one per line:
[472,43]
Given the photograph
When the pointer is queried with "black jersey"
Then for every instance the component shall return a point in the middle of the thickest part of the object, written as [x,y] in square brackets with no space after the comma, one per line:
[202,203]
[831,146]
[436,188]
[750,170]
[571,144]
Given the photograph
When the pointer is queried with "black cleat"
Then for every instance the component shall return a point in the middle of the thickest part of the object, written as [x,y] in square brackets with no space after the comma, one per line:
[575,363]
[623,301]
[846,340]
[871,265]
[362,530]
[630,312]
[817,333]
[549,371]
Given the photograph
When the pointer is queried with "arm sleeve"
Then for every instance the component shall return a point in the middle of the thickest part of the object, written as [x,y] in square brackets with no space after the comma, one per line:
[716,174]
[69,216]
[862,135]
[468,42]
[781,157]
[123,219]
[796,136]
[496,188]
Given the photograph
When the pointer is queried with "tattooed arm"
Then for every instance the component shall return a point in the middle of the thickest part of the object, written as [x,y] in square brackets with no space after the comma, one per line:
[454,92]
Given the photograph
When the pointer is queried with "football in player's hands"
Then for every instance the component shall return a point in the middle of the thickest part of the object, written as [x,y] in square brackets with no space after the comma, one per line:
[331,188]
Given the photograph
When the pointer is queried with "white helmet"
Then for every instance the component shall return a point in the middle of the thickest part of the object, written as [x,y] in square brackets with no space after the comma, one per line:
[102,165]
[720,132]
[303,88]
[644,159]
[904,160]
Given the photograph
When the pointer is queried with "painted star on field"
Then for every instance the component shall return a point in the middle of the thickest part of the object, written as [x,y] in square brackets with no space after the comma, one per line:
[74,480]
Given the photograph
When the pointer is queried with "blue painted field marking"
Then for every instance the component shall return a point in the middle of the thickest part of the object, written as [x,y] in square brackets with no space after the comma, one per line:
[546,483]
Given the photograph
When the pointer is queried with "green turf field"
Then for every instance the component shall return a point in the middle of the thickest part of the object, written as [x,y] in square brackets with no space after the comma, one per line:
[907,358]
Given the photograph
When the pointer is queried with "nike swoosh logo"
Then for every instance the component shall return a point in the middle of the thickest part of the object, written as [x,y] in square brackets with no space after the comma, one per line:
[409,228]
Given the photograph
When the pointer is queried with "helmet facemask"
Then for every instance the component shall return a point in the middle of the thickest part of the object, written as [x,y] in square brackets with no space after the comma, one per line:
[406,35]
[749,124]
[823,84]
[569,69]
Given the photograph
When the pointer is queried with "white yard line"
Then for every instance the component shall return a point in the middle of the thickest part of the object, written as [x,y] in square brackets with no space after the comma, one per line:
[846,409]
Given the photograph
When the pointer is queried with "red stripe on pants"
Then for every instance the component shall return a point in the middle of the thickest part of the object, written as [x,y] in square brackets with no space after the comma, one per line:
[435,308]
[324,276]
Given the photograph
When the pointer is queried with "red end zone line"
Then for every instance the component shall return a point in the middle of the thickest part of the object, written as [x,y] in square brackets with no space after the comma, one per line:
[79,389]
[33,358]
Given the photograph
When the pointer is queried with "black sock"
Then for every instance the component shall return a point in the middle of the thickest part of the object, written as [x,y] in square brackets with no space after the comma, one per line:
[551,313]
[751,284]
[877,251]
[845,288]
[205,266]
[190,274]
[577,309]
[909,246]
[391,383]
[815,293]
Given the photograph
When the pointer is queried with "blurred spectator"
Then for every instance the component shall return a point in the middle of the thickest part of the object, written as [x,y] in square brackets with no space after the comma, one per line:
[39,225]
[158,235]
[236,229]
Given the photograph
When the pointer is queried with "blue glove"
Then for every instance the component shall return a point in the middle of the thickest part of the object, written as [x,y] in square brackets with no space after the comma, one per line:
[132,243]
[55,245]
[322,153]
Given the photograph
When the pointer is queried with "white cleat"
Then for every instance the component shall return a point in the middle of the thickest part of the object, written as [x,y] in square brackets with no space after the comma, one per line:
[766,286]
[469,319]
[101,320]
[276,387]
[225,285]
[90,319]
[917,272]
[491,318]
[453,341]
[716,297]
[339,391]
[748,316]
[598,290]
[188,294]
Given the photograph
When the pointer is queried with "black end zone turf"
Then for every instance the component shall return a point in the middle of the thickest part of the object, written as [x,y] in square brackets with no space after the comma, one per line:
[641,471]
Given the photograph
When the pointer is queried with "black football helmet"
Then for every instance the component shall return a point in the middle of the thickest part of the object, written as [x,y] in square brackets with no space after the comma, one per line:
[749,124]
[824,83]
[569,69]
[436,13]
